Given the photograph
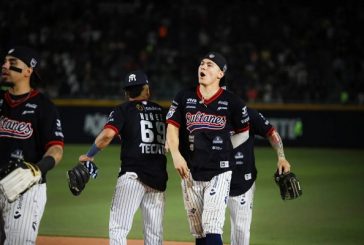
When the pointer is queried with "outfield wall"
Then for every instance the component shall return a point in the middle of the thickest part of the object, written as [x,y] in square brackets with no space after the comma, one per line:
[299,124]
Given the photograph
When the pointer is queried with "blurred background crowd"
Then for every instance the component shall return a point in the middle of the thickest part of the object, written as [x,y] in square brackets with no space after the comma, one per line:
[277,51]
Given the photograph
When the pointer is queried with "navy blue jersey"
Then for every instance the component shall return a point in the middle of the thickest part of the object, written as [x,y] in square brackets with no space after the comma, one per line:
[29,125]
[142,130]
[245,172]
[204,129]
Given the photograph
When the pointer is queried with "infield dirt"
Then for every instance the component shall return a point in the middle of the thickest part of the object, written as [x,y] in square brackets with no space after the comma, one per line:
[57,240]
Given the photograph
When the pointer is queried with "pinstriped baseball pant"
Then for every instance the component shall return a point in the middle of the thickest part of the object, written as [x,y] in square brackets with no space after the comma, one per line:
[22,217]
[205,204]
[131,194]
[241,211]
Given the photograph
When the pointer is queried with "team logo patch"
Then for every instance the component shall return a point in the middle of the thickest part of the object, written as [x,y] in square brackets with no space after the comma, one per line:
[239,155]
[17,154]
[246,119]
[139,107]
[33,106]
[216,148]
[33,62]
[34,225]
[248,176]
[132,77]
[222,108]
[28,112]
[191,212]
[244,111]
[191,101]
[217,140]
[17,215]
[224,164]
[171,111]
[242,201]
[222,102]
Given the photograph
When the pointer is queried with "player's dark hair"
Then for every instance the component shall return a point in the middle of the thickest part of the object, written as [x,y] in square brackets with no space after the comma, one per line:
[134,91]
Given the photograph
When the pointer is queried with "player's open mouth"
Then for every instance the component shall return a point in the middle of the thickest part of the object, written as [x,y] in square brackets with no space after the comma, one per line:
[202,74]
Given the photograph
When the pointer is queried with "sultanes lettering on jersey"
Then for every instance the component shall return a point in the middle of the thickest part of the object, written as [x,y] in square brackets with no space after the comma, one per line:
[15,129]
[201,120]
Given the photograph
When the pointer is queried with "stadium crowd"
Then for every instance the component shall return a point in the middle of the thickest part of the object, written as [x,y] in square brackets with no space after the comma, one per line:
[277,51]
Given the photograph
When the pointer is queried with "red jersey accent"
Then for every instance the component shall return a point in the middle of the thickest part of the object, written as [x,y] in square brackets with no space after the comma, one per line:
[208,101]
[173,123]
[112,127]
[13,103]
[52,143]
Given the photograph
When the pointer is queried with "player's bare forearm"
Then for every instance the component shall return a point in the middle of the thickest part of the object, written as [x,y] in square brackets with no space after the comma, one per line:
[172,143]
[104,138]
[101,142]
[239,138]
[55,151]
[276,142]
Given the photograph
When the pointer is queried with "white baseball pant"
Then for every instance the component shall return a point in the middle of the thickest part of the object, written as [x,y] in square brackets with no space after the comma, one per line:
[22,217]
[205,204]
[241,211]
[131,194]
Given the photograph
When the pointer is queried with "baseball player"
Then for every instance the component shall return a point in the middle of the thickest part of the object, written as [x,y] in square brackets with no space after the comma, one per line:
[142,179]
[30,130]
[242,186]
[198,138]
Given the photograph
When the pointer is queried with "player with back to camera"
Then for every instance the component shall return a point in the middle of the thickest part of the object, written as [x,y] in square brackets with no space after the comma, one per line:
[142,179]
[242,188]
[30,131]
[198,137]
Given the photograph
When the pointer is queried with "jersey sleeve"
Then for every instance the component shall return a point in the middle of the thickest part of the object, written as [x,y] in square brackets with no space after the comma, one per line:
[51,132]
[240,118]
[259,123]
[175,112]
[115,120]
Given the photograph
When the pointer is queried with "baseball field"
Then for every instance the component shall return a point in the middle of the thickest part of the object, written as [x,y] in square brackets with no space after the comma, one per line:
[329,212]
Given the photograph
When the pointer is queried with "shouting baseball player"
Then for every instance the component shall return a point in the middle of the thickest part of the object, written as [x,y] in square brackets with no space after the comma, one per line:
[142,179]
[198,137]
[242,186]
[31,143]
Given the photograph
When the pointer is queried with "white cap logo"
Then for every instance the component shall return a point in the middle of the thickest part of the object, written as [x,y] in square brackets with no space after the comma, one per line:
[132,77]
[10,51]
[211,56]
[33,62]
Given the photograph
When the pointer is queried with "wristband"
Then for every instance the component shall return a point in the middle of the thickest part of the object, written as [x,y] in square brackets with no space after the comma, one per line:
[93,150]
[46,164]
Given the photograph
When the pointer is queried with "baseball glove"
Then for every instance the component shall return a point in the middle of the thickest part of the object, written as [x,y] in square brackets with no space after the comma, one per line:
[23,176]
[79,175]
[288,184]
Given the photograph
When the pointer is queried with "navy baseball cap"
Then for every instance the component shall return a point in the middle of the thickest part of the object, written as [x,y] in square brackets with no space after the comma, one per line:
[218,59]
[135,78]
[29,56]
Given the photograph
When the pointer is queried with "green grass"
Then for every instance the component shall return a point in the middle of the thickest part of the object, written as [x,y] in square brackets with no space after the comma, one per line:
[329,212]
